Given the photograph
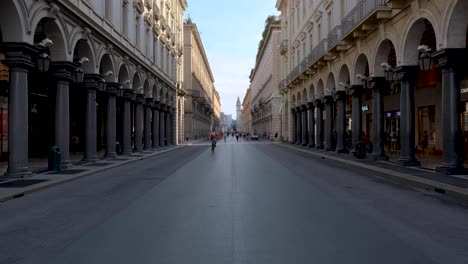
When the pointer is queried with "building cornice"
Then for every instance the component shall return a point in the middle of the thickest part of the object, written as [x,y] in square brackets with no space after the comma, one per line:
[194,29]
[271,29]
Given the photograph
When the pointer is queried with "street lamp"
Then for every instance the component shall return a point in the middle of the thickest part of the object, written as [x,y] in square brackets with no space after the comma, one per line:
[425,59]
[43,62]
[388,72]
[78,73]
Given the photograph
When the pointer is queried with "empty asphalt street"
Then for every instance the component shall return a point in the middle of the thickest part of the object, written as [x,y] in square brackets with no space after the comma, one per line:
[248,202]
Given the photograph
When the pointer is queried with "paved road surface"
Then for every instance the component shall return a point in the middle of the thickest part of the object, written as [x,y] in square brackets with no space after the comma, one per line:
[245,203]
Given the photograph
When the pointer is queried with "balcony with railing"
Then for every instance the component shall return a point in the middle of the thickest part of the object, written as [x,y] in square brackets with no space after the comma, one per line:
[335,36]
[364,17]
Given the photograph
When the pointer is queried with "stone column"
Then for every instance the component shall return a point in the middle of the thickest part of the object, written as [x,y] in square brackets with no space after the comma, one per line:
[156,126]
[328,102]
[162,129]
[91,83]
[62,72]
[167,125]
[173,127]
[407,75]
[111,125]
[298,126]
[319,107]
[147,124]
[311,123]
[127,122]
[340,97]
[140,98]
[356,125]
[19,57]
[452,62]
[304,125]
[378,85]
[294,126]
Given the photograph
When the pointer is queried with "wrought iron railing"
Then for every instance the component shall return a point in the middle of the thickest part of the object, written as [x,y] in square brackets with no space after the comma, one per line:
[334,36]
[318,51]
[305,63]
[362,10]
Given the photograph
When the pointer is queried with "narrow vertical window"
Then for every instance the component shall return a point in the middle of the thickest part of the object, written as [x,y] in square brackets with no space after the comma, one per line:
[125,18]
[137,32]
[155,40]
[108,10]
[343,8]
[330,21]
[319,31]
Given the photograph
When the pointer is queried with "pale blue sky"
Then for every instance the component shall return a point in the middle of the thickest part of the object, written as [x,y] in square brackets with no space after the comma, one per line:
[230,31]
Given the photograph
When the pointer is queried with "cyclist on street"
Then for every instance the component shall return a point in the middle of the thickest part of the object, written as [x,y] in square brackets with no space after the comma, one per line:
[213,137]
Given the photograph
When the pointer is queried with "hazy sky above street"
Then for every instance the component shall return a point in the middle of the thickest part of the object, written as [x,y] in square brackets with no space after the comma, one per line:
[230,31]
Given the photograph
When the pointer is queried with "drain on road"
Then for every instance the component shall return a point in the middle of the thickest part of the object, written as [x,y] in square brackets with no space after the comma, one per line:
[137,156]
[67,172]
[20,183]
[98,164]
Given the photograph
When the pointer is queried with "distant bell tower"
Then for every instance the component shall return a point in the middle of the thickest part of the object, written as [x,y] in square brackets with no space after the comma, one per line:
[239,116]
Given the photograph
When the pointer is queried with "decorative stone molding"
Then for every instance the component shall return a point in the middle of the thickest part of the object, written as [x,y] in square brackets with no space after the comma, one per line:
[86,33]
[327,3]
[157,29]
[318,15]
[149,4]
[54,11]
[139,6]
[156,12]
[148,20]
[302,36]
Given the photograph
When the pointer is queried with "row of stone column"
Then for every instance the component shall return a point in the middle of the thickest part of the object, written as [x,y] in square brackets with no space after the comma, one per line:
[153,121]
[20,57]
[307,130]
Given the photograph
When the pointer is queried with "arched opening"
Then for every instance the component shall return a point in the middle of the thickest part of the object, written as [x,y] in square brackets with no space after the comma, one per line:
[385,60]
[344,83]
[361,71]
[427,96]
[124,78]
[320,90]
[137,87]
[146,89]
[81,50]
[331,84]
[106,69]
[42,96]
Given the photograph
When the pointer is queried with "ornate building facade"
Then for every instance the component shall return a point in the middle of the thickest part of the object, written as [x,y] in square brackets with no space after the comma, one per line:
[264,81]
[198,84]
[387,70]
[246,114]
[217,110]
[93,77]
[239,116]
